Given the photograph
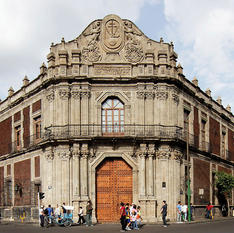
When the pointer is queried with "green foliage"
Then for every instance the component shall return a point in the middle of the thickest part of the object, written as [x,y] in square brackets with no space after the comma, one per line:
[225,183]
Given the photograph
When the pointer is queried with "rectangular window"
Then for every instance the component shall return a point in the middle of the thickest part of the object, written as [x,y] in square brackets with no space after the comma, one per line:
[223,152]
[18,137]
[186,121]
[203,134]
[37,128]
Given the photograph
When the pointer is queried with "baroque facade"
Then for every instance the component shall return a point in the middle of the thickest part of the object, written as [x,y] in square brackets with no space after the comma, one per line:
[108,120]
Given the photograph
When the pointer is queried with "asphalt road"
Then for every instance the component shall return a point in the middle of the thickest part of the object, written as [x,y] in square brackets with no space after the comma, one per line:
[212,227]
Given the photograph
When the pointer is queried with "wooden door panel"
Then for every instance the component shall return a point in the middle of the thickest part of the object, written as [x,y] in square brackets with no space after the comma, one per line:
[113,185]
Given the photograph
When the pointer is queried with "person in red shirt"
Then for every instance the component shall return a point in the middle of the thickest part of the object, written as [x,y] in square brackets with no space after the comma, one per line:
[208,210]
[123,217]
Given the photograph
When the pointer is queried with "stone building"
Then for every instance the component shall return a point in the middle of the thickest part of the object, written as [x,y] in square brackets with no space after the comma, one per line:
[107,121]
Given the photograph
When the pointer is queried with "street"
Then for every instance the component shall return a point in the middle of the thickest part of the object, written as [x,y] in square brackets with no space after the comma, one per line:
[211,227]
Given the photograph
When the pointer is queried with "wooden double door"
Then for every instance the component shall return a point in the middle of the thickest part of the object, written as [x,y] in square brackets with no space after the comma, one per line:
[113,185]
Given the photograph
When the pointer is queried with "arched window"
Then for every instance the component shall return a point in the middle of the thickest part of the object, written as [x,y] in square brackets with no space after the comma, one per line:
[113,116]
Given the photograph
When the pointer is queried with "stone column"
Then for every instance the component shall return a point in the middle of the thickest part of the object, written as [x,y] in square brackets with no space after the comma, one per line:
[76,170]
[142,155]
[84,171]
[64,94]
[140,112]
[161,96]
[48,178]
[85,95]
[151,154]
[149,112]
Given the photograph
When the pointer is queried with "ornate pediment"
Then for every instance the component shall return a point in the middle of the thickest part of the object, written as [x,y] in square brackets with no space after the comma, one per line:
[112,39]
[111,47]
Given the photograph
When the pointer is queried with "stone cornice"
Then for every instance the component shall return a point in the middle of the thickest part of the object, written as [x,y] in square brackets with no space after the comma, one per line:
[203,99]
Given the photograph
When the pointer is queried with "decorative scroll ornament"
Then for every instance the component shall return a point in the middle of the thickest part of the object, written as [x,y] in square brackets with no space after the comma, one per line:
[63,154]
[164,152]
[76,150]
[75,94]
[176,99]
[85,94]
[177,154]
[140,94]
[49,154]
[50,96]
[149,95]
[64,94]
[162,95]
[84,151]
[134,51]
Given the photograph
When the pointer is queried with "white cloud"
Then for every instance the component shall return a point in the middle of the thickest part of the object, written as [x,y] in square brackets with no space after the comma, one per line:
[28,27]
[204,31]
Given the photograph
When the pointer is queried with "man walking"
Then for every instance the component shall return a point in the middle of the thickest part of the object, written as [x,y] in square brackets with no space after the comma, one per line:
[123,217]
[178,210]
[164,213]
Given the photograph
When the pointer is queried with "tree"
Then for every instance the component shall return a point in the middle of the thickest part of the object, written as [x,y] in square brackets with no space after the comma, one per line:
[225,184]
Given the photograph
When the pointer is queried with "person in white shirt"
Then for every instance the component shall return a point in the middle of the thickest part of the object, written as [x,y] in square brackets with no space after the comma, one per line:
[184,210]
[57,212]
[81,216]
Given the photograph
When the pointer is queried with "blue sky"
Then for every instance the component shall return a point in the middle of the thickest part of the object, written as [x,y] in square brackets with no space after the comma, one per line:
[202,32]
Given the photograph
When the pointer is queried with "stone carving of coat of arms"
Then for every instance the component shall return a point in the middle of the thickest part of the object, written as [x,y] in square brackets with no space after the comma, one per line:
[112,35]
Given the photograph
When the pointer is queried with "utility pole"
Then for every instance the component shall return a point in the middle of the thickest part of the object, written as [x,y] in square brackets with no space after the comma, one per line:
[188,176]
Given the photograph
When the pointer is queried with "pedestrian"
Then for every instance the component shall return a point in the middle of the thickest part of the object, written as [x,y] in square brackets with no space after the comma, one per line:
[128,221]
[184,210]
[41,211]
[123,217]
[191,211]
[208,210]
[81,217]
[164,213]
[139,218]
[133,218]
[89,210]
[178,211]
[57,211]
[64,209]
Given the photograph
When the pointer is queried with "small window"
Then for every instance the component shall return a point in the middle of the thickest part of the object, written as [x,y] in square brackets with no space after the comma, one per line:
[37,128]
[18,137]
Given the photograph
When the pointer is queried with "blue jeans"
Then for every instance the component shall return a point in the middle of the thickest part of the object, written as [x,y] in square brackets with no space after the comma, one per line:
[89,219]
[134,225]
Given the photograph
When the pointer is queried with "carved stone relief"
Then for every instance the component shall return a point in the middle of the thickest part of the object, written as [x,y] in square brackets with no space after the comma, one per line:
[161,95]
[50,96]
[75,94]
[84,151]
[163,152]
[91,53]
[134,51]
[49,154]
[64,94]
[112,36]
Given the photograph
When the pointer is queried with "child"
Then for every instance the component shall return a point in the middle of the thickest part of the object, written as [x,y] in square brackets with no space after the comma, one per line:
[134,220]
[81,216]
[128,219]
[139,216]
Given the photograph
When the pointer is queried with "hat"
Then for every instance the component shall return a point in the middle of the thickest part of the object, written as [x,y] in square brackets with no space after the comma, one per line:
[42,206]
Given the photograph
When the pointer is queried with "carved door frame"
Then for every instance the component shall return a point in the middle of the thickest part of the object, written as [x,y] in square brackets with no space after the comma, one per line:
[92,175]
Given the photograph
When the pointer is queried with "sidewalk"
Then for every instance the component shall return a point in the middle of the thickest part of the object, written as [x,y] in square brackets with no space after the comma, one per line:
[205,220]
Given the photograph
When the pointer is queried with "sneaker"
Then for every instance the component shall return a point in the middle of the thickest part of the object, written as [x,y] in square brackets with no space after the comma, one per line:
[164,225]
[122,230]
[128,229]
